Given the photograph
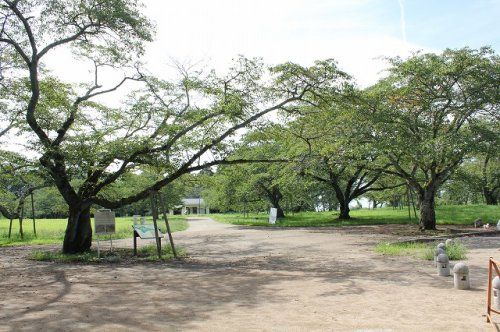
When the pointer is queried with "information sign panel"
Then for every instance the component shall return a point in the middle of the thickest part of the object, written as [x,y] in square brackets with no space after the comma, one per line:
[104,222]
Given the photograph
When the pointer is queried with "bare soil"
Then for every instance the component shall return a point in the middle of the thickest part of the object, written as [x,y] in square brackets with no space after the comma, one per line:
[248,279]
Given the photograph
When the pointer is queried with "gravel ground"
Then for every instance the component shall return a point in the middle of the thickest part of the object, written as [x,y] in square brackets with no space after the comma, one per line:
[248,279]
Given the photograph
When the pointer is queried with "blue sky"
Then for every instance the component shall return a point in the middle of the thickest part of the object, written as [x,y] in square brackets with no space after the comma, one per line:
[357,33]
[446,23]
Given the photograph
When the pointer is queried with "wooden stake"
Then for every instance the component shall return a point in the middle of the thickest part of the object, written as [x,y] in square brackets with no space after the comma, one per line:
[10,227]
[413,203]
[164,211]
[21,222]
[154,212]
[488,301]
[33,213]
[408,200]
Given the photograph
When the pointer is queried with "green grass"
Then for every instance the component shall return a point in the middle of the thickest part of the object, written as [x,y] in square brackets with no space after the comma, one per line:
[146,253]
[456,251]
[51,231]
[446,215]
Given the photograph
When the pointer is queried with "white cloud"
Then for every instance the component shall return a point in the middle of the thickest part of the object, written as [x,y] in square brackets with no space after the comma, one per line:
[294,30]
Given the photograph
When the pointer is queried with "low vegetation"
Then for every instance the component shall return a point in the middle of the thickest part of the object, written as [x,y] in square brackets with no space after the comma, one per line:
[446,215]
[145,253]
[455,251]
[51,231]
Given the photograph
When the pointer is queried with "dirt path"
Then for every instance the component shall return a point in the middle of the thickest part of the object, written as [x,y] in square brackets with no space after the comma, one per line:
[240,279]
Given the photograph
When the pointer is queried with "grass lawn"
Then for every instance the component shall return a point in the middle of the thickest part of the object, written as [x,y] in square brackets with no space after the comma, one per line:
[52,230]
[455,251]
[145,253]
[446,215]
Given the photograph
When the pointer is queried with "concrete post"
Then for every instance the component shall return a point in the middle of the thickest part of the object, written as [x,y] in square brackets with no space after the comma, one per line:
[461,276]
[438,252]
[443,265]
[496,293]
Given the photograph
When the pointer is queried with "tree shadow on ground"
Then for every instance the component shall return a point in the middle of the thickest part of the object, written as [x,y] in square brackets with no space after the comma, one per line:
[184,294]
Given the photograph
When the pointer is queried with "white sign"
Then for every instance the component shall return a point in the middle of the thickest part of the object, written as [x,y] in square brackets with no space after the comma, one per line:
[273,215]
[136,218]
[104,222]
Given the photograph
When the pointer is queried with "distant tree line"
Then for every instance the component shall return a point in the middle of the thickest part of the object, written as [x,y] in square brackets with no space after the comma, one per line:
[297,136]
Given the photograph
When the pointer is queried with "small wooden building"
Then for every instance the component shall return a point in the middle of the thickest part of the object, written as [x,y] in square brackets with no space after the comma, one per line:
[191,206]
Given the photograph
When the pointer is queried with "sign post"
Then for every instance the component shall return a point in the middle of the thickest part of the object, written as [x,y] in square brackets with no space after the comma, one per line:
[104,223]
[273,213]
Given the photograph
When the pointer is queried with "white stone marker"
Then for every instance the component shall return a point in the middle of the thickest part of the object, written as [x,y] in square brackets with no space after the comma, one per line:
[496,293]
[461,276]
[443,265]
[273,214]
[448,242]
[438,252]
[498,225]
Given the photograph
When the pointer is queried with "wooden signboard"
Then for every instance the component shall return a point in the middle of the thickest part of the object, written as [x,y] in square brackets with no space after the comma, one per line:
[104,222]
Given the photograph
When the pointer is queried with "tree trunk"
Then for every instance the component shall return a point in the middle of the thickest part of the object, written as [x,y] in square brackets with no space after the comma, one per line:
[280,212]
[274,195]
[489,197]
[78,236]
[344,211]
[427,210]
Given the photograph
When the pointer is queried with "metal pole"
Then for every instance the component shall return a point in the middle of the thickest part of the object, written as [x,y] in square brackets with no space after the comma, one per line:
[154,212]
[167,224]
[33,213]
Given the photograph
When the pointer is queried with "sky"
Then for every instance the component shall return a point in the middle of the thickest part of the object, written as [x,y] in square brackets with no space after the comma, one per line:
[357,33]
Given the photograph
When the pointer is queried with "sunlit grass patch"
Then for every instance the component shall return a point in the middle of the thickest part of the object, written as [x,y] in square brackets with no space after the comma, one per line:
[445,214]
[146,253]
[402,249]
[51,231]
[455,251]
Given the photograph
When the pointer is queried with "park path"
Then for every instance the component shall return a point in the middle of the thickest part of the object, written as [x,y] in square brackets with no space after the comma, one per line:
[247,279]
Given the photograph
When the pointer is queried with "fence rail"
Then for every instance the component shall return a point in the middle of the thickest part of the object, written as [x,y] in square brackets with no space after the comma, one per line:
[492,266]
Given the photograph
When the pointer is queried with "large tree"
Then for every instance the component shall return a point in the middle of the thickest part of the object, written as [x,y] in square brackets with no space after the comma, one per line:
[19,179]
[332,145]
[257,186]
[425,114]
[177,127]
